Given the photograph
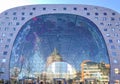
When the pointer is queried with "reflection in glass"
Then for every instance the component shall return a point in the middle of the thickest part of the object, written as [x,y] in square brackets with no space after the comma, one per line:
[55,48]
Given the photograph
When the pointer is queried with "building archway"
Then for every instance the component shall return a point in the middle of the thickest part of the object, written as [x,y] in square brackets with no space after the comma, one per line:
[75,37]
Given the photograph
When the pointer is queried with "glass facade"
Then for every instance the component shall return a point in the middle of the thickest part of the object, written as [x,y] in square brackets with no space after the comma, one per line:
[54,46]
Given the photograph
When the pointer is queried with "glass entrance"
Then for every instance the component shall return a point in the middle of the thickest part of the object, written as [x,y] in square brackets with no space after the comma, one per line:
[90,81]
[59,81]
[59,46]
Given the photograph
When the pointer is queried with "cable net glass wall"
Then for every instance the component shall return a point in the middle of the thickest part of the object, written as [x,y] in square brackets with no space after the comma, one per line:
[60,48]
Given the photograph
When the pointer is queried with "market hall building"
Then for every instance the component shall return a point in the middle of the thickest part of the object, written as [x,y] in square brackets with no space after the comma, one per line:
[60,44]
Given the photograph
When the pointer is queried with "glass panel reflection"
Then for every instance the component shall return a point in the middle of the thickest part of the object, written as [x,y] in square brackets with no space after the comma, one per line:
[59,49]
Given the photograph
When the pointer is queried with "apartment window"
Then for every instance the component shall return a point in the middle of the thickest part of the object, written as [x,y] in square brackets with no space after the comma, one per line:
[14,13]
[112,47]
[6,46]
[74,8]
[95,8]
[85,8]
[96,14]
[2,69]
[9,23]
[96,18]
[105,29]
[101,23]
[108,35]
[117,24]
[113,29]
[112,18]
[115,61]
[44,8]
[6,17]
[54,9]
[6,13]
[115,34]
[88,13]
[109,24]
[33,8]
[113,13]
[104,18]
[8,40]
[119,47]
[110,41]
[23,18]
[3,34]
[114,54]
[64,8]
[23,13]
[14,29]
[11,34]
[104,13]
[31,13]
[3,60]
[17,23]
[14,18]
[117,71]
[1,40]
[2,23]
[118,41]
[5,53]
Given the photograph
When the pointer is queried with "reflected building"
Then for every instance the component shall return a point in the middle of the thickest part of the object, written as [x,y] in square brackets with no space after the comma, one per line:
[54,57]
[57,69]
[95,73]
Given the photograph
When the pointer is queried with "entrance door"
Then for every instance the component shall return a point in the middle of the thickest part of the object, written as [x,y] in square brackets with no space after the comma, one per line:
[90,81]
[59,81]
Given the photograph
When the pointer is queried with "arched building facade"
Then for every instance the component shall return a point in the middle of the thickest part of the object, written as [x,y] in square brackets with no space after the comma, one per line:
[59,26]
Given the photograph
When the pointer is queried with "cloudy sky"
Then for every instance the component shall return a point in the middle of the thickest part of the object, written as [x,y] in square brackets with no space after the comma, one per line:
[7,4]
